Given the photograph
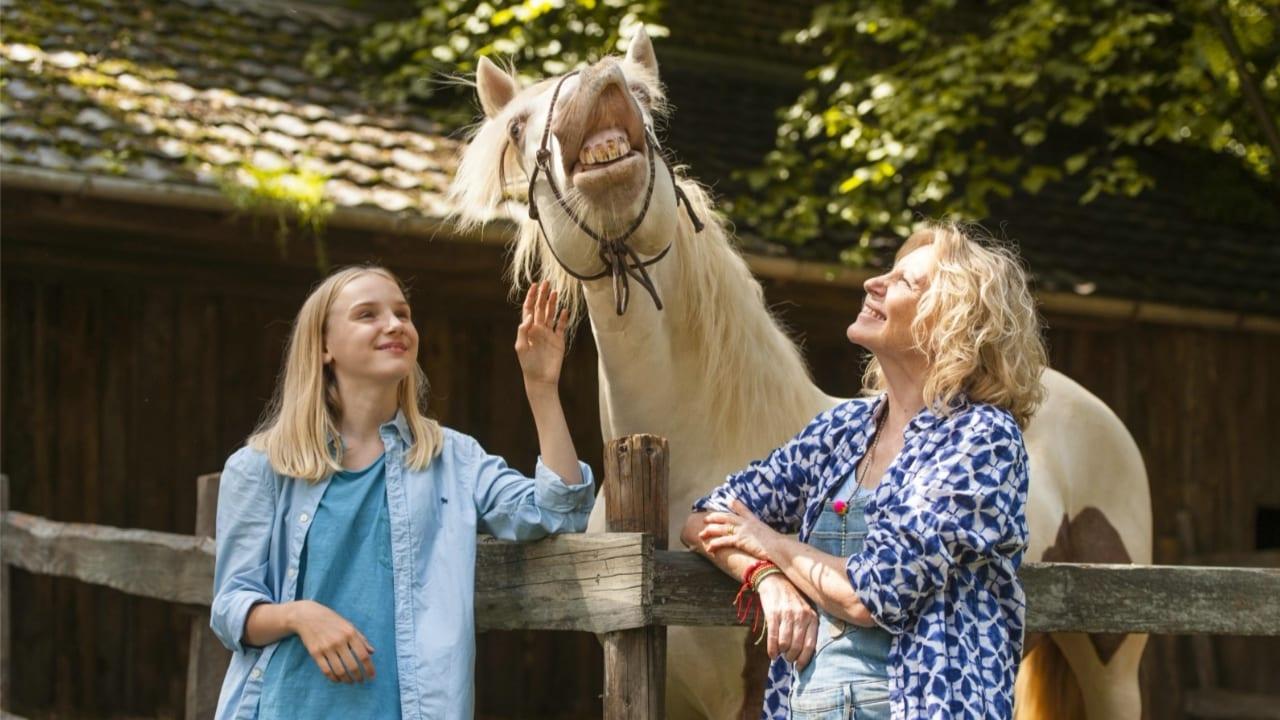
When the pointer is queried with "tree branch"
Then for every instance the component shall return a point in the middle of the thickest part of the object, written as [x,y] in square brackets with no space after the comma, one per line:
[1253,96]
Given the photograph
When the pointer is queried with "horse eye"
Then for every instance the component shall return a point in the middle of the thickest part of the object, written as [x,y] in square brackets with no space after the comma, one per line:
[515,128]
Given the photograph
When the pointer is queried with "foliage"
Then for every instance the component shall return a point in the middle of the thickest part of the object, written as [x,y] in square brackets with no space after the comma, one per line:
[934,107]
[416,58]
[288,194]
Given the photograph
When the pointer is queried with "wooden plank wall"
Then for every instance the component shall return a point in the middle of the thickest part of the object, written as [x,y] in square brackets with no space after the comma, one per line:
[136,359]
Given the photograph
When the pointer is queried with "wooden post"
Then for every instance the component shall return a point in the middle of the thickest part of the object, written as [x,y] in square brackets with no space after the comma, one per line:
[6,642]
[207,659]
[635,661]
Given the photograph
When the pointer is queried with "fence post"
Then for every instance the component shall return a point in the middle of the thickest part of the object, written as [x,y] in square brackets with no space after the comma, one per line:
[635,661]
[6,609]
[207,660]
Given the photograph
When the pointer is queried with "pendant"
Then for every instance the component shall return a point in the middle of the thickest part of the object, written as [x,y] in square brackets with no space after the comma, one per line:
[840,507]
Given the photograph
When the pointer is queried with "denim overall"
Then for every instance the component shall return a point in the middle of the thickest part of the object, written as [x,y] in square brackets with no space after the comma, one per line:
[848,675]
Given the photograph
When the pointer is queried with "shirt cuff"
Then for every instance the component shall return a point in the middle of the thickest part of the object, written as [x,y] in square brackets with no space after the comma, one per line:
[718,500]
[228,620]
[861,574]
[552,493]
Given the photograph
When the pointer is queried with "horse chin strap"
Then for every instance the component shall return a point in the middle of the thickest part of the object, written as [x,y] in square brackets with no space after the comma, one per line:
[619,259]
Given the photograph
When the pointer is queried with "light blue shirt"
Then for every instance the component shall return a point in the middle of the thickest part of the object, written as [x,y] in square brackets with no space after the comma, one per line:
[434,513]
[346,566]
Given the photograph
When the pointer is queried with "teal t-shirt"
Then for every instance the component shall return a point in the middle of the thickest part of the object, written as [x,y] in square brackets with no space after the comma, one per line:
[345,566]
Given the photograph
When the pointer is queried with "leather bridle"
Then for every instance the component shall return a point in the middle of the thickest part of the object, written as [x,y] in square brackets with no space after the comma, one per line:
[620,260]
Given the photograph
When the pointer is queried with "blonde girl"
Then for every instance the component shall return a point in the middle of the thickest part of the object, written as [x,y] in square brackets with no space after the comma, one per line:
[347,525]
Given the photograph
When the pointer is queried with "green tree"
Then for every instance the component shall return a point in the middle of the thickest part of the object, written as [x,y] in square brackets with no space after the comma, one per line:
[416,56]
[933,107]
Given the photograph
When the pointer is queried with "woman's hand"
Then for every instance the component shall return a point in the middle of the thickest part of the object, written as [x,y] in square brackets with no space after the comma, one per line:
[739,529]
[792,624]
[540,338]
[340,650]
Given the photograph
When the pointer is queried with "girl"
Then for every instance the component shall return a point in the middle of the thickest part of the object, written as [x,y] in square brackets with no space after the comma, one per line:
[347,527]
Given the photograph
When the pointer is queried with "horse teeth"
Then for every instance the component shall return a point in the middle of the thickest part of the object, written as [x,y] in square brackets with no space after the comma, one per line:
[606,151]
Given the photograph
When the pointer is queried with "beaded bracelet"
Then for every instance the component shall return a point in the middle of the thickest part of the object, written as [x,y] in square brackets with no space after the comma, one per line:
[762,574]
[755,567]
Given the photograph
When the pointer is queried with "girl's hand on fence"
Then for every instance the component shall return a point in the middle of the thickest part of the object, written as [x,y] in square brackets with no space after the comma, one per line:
[739,529]
[341,652]
[792,624]
[540,338]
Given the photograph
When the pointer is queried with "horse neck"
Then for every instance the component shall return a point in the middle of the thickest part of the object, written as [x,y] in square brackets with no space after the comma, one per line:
[712,369]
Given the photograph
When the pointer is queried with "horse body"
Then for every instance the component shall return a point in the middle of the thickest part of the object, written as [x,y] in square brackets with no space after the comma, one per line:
[714,373]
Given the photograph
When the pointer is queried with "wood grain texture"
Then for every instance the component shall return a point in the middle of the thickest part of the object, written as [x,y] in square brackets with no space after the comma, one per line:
[618,582]
[207,659]
[569,582]
[165,566]
[635,488]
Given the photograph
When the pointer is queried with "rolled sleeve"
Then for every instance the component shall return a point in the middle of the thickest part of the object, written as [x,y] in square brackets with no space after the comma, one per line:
[894,577]
[246,509]
[774,488]
[511,506]
[552,493]
[228,614]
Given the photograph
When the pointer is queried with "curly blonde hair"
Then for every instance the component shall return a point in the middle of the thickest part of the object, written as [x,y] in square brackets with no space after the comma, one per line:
[976,324]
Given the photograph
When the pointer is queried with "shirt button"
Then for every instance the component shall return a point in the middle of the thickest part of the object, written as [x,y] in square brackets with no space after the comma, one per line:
[303,518]
[256,674]
[293,571]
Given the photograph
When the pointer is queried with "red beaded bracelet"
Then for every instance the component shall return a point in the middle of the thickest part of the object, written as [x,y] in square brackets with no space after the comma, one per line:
[745,602]
[755,567]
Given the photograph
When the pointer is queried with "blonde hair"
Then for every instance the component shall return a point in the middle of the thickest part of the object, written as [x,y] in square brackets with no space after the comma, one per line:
[977,325]
[299,429]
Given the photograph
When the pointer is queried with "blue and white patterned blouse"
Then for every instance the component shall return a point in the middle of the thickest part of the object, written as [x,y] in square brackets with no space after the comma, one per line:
[946,530]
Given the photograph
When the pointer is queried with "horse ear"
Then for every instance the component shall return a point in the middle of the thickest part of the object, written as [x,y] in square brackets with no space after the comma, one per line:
[494,86]
[641,51]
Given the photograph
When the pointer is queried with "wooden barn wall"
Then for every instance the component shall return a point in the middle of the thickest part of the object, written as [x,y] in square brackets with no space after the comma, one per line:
[139,345]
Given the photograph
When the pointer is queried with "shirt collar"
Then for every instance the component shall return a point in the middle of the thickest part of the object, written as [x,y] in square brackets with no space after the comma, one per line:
[927,419]
[924,420]
[399,424]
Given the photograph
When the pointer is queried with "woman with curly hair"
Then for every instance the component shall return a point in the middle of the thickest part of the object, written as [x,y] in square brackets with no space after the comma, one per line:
[909,502]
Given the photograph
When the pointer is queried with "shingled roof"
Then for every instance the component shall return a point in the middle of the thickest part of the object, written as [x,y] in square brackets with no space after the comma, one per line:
[202,93]
[210,94]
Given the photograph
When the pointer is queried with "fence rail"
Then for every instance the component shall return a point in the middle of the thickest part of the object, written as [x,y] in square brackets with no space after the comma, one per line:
[624,584]
[598,583]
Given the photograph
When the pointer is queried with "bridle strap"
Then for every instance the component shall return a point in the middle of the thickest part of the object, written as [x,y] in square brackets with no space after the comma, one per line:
[619,259]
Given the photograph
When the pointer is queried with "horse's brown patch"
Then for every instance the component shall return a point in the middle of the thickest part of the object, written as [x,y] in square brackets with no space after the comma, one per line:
[755,671]
[1091,538]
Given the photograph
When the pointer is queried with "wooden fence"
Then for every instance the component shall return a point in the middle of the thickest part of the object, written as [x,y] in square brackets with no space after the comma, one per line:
[625,584]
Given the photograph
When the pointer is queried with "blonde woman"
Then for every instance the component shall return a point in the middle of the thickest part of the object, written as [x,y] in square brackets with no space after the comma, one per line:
[909,503]
[346,528]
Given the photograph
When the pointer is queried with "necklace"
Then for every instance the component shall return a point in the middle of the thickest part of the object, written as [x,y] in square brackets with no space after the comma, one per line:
[842,506]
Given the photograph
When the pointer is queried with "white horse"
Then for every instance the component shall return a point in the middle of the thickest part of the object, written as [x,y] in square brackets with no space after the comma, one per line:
[713,372]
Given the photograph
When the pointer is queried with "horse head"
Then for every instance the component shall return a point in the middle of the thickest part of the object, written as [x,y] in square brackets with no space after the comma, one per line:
[583,145]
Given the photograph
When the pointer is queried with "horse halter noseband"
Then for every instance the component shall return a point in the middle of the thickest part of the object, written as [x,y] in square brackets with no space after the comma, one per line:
[620,260]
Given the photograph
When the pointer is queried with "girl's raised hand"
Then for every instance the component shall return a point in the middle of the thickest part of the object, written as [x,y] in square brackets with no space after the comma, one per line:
[540,338]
